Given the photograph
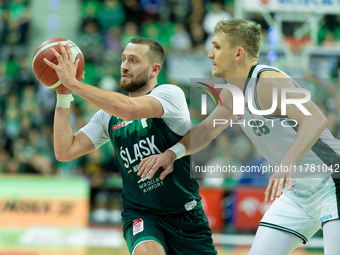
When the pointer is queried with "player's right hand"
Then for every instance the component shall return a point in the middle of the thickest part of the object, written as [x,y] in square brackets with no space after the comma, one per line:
[63,90]
[151,164]
[276,184]
[66,69]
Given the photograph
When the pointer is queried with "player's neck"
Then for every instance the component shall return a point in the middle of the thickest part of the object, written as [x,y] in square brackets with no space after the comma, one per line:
[145,90]
[241,73]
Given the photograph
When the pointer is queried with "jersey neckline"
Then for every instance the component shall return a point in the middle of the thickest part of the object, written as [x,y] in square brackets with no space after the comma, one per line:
[248,78]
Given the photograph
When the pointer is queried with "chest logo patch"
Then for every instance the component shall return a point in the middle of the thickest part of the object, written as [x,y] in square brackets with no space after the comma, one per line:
[239,117]
[121,124]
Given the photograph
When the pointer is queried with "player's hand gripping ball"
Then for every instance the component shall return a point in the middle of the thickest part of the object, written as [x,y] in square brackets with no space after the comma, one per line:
[45,74]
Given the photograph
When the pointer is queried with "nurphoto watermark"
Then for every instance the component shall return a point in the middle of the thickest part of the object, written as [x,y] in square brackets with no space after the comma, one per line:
[268,131]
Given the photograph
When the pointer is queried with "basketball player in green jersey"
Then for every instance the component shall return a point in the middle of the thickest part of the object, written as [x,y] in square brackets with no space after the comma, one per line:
[306,204]
[159,216]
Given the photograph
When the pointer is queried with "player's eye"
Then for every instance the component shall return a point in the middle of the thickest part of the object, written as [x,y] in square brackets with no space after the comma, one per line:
[133,60]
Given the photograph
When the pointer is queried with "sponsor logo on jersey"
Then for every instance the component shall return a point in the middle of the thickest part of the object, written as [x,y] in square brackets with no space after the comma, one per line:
[239,117]
[138,226]
[152,184]
[326,217]
[145,147]
[121,124]
[190,205]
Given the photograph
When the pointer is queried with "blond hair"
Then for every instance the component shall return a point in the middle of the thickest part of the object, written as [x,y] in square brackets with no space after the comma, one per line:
[244,33]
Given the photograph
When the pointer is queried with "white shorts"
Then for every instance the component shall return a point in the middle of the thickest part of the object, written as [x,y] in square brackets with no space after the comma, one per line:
[304,216]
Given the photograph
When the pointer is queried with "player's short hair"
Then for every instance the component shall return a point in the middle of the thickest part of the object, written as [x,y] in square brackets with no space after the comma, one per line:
[155,52]
[244,33]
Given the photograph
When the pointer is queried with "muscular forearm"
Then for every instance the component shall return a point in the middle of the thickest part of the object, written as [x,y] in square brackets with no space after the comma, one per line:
[196,139]
[308,133]
[62,132]
[113,103]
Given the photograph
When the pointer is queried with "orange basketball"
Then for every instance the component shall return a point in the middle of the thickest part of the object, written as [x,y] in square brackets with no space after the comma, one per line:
[45,74]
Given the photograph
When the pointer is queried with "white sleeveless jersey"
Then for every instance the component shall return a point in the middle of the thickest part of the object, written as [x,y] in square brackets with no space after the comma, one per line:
[272,136]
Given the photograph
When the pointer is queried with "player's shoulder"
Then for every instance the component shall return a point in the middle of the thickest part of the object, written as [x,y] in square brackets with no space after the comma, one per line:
[168,88]
[271,77]
[265,71]
[102,115]
[102,112]
[273,74]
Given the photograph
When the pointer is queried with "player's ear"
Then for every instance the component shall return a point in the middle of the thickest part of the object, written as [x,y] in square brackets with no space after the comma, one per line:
[239,53]
[155,68]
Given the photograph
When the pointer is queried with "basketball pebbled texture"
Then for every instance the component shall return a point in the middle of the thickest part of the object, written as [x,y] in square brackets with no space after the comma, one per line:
[45,74]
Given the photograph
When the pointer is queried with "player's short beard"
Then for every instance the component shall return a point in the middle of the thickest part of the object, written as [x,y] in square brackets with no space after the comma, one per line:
[135,83]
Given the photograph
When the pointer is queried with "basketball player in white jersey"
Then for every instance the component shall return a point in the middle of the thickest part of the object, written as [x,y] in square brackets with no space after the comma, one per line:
[306,204]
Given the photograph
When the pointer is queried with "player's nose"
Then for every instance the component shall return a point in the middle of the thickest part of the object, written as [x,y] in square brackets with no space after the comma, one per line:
[211,55]
[124,67]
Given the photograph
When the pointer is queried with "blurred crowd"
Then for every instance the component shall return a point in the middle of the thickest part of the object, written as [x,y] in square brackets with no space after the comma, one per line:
[26,138]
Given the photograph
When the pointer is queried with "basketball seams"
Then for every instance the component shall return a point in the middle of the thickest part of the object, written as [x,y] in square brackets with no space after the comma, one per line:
[53,86]
[75,53]
[50,45]
[77,49]
[47,46]
[46,68]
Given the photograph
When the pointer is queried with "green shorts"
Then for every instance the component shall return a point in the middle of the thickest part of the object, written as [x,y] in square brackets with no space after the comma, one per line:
[181,233]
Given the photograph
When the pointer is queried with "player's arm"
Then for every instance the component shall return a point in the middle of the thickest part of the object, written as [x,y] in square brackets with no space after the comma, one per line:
[119,105]
[67,145]
[116,104]
[195,140]
[309,131]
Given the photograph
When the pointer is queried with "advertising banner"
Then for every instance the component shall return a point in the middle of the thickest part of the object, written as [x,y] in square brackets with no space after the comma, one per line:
[249,207]
[212,205]
[41,201]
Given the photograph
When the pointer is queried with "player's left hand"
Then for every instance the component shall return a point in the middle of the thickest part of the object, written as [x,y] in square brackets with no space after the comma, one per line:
[149,166]
[276,184]
[66,68]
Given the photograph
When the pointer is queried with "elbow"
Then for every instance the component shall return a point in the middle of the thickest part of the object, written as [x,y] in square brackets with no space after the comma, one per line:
[320,123]
[62,157]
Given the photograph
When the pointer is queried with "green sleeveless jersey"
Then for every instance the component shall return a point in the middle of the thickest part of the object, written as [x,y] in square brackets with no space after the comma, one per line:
[137,139]
[134,140]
